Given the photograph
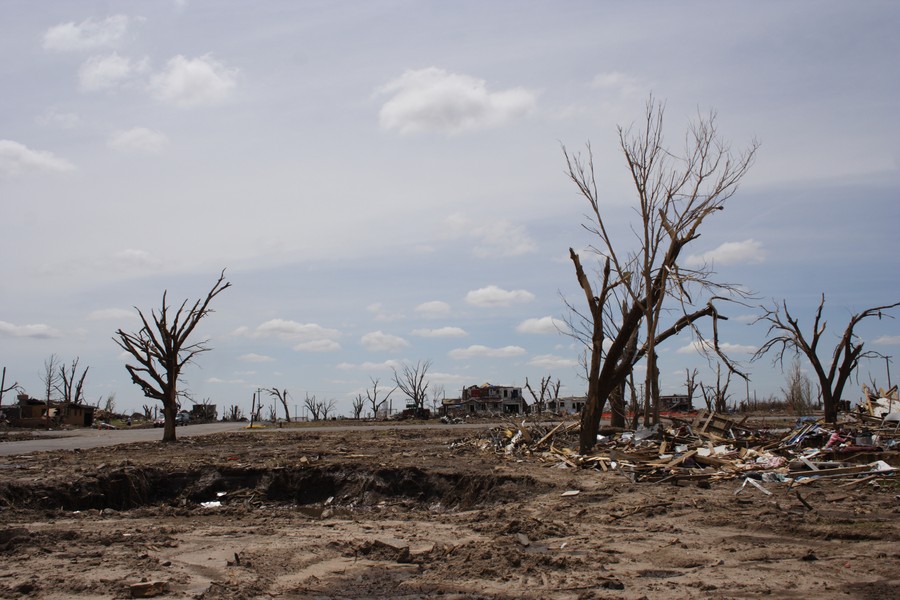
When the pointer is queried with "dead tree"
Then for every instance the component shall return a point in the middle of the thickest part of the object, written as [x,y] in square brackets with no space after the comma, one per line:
[690,384]
[798,393]
[313,406]
[161,350]
[359,404]
[716,398]
[548,394]
[788,335]
[283,397]
[72,391]
[50,377]
[676,192]
[3,388]
[436,398]
[372,397]
[411,381]
[326,408]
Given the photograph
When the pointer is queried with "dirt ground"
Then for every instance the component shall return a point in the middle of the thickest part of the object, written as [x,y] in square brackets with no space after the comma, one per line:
[412,513]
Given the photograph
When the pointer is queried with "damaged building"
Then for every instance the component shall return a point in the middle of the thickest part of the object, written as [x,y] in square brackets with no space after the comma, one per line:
[486,399]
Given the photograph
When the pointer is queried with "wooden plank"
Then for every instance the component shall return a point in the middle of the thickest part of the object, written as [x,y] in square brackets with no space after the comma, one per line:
[680,459]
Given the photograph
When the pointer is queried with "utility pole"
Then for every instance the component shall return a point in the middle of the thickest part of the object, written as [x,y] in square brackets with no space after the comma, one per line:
[887,363]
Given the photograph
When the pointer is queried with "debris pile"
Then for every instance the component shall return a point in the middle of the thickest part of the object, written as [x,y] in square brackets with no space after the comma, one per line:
[714,447]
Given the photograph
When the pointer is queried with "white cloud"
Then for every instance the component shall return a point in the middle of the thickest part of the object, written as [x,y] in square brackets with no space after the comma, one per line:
[432,99]
[441,332]
[188,83]
[887,340]
[726,347]
[479,350]
[290,330]
[499,239]
[318,346]
[112,314]
[54,118]
[435,308]
[37,330]
[134,258]
[138,139]
[549,361]
[104,72]
[625,85]
[370,366]
[252,357]
[227,381]
[16,158]
[730,253]
[378,341]
[453,378]
[492,296]
[382,314]
[542,325]
[87,35]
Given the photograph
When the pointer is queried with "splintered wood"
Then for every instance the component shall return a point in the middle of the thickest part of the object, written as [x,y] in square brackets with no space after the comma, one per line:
[710,447]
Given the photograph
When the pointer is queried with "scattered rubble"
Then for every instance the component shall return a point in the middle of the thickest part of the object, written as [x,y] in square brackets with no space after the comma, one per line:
[715,447]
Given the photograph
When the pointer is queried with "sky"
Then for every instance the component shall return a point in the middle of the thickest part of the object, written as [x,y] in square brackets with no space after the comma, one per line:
[384,182]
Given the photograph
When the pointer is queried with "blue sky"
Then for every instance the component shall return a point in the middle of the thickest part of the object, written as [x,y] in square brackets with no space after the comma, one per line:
[384,181]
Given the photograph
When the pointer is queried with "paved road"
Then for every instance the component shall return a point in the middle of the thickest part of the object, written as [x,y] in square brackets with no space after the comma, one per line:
[94,438]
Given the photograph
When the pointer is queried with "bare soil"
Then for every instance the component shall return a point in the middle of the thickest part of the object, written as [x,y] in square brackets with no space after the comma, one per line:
[411,513]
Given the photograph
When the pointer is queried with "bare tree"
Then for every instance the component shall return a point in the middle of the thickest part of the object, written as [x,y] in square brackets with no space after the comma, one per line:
[148,412]
[234,413]
[161,350]
[798,393]
[326,408]
[690,384]
[716,397]
[437,397]
[50,377]
[372,397]
[359,404]
[787,335]
[109,405]
[72,389]
[548,393]
[283,397]
[676,193]
[3,388]
[411,381]
[313,406]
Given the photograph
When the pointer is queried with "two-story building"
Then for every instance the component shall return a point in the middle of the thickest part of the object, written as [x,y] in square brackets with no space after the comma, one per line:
[492,399]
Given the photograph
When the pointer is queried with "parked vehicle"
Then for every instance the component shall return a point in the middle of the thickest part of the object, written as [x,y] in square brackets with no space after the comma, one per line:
[182,418]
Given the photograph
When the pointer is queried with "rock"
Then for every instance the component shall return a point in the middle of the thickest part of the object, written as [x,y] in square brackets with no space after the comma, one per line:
[148,589]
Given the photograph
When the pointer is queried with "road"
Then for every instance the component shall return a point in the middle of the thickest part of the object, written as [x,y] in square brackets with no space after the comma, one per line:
[93,438]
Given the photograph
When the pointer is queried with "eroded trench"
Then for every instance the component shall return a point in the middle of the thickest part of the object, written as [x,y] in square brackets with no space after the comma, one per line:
[356,486]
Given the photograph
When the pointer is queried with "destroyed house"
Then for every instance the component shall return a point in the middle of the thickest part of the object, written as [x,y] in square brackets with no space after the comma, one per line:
[204,412]
[676,403]
[31,412]
[570,405]
[492,399]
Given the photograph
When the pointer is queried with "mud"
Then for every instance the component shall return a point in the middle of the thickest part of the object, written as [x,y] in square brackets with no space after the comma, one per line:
[394,513]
